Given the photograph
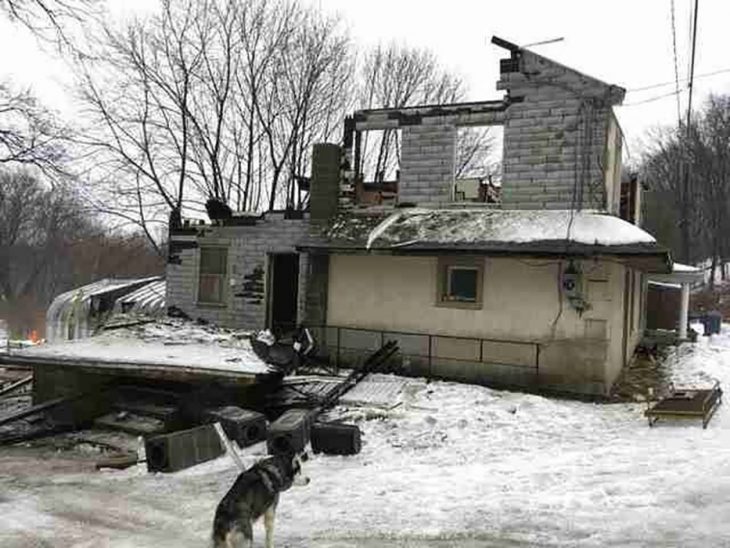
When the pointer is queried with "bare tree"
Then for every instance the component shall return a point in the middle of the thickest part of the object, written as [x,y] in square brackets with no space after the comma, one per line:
[50,19]
[142,90]
[473,153]
[29,133]
[211,99]
[304,93]
[694,224]
[51,242]
[396,76]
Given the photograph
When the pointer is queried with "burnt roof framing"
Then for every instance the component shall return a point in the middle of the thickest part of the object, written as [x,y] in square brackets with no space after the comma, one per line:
[471,113]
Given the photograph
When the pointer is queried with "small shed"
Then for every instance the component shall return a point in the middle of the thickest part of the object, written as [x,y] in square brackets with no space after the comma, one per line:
[684,276]
[663,303]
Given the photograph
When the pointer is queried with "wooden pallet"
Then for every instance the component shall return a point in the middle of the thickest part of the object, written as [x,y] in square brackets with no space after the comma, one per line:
[686,403]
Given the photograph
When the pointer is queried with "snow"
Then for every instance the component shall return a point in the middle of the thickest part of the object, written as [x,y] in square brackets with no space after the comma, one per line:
[665,284]
[379,230]
[163,342]
[484,225]
[3,335]
[452,465]
[148,299]
[679,267]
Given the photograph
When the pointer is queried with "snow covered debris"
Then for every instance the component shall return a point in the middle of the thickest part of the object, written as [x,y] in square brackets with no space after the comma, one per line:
[167,341]
[452,465]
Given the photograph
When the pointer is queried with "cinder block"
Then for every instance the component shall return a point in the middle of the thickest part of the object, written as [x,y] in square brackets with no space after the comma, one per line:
[241,425]
[336,439]
[178,450]
[289,433]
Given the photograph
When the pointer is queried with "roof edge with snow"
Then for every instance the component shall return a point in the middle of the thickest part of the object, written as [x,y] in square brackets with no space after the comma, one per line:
[491,232]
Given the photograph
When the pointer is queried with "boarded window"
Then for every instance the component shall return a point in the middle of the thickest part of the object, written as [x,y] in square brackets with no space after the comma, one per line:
[213,268]
[460,282]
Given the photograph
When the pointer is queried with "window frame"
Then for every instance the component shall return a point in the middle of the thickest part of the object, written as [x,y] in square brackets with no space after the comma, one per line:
[445,266]
[223,276]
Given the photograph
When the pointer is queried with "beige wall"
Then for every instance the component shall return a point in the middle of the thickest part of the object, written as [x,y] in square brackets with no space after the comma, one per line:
[520,302]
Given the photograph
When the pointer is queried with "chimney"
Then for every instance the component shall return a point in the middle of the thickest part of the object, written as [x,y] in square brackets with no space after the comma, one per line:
[325,185]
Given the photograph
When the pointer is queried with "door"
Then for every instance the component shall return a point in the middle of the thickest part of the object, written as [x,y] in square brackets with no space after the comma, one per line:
[284,291]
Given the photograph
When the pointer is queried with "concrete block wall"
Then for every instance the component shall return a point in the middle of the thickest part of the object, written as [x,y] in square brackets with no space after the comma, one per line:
[428,157]
[248,247]
[555,136]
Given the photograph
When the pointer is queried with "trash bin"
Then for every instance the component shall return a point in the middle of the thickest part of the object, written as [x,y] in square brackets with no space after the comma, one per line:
[712,322]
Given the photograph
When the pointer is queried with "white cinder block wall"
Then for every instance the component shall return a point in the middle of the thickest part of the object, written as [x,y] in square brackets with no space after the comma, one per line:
[556,152]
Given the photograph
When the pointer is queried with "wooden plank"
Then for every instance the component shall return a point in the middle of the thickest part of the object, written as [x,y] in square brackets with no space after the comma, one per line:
[38,408]
[161,371]
[18,384]
[118,461]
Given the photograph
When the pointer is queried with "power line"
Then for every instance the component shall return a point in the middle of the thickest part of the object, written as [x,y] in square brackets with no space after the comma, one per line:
[692,65]
[664,84]
[676,69]
[652,99]
[685,185]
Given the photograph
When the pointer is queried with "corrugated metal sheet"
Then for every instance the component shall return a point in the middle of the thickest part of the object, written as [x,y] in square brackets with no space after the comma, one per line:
[148,300]
[77,313]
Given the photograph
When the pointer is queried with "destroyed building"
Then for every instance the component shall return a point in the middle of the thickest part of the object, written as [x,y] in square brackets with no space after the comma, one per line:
[544,287]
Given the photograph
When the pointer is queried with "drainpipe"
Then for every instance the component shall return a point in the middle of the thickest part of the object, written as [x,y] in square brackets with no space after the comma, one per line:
[684,312]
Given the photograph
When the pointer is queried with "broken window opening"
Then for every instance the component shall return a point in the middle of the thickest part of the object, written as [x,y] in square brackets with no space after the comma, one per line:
[378,166]
[478,168]
[212,275]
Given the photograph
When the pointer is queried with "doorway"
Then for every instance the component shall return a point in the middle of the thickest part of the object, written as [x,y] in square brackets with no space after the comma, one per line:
[284,291]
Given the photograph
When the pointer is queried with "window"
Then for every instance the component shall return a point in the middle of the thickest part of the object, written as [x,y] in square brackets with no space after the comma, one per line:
[460,282]
[213,268]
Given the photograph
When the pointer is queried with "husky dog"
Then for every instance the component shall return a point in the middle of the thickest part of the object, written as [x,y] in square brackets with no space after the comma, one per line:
[254,494]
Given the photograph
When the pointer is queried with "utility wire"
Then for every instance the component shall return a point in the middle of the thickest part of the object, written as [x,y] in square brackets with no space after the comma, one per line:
[652,99]
[665,84]
[692,65]
[685,185]
[676,69]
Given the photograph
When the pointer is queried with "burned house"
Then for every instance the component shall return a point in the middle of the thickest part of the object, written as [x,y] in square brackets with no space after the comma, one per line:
[537,282]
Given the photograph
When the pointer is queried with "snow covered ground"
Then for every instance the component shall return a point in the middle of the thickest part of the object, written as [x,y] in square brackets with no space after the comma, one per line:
[452,465]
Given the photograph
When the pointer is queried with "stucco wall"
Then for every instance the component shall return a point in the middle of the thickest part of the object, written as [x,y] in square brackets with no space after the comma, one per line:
[520,302]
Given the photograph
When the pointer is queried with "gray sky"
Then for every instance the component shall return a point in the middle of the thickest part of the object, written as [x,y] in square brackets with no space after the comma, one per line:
[624,42]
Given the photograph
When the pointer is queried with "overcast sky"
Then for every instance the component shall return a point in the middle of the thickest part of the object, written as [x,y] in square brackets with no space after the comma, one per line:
[623,42]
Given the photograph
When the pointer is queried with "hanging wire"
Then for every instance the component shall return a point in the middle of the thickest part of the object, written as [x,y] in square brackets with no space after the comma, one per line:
[676,67]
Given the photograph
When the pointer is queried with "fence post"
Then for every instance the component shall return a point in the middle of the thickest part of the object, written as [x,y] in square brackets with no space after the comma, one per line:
[337,355]
[430,357]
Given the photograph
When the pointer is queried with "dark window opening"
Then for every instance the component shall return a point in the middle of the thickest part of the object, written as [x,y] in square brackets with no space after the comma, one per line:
[460,282]
[212,275]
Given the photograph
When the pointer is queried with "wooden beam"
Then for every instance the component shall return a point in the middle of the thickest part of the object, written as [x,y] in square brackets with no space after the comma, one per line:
[18,384]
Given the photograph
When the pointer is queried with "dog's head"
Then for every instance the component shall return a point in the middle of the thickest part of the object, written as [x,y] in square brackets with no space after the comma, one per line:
[290,467]
[299,478]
